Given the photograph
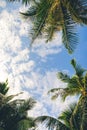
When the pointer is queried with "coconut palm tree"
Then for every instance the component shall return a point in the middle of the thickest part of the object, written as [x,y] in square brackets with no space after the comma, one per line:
[13,113]
[76,85]
[52,16]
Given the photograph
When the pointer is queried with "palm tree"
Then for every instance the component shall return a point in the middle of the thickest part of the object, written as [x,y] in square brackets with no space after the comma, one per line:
[61,123]
[51,16]
[13,113]
[76,85]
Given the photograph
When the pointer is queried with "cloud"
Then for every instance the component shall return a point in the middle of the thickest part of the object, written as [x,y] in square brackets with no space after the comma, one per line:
[45,106]
[20,67]
[2,4]
[14,56]
[43,49]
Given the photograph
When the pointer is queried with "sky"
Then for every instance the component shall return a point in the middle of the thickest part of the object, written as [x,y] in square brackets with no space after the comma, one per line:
[33,70]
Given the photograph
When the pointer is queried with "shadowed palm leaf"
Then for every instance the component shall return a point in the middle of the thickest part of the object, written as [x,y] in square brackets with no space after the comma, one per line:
[13,113]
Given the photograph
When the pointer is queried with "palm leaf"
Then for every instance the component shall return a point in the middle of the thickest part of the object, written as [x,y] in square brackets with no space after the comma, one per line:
[66,114]
[26,105]
[78,69]
[51,123]
[64,92]
[30,12]
[78,10]
[40,18]
[64,77]
[69,34]
[26,2]
[4,87]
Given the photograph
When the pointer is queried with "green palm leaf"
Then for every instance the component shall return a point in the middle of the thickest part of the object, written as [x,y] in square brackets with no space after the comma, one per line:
[51,123]
[78,69]
[66,114]
[64,77]
[4,87]
[69,34]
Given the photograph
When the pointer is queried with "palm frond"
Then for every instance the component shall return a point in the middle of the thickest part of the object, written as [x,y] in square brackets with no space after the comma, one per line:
[78,10]
[4,87]
[66,114]
[9,98]
[40,18]
[69,35]
[64,92]
[30,12]
[26,2]
[51,123]
[64,77]
[26,105]
[78,69]
[75,83]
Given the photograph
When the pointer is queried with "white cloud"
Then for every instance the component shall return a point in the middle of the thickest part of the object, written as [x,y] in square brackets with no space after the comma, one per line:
[2,4]
[14,56]
[17,65]
[44,49]
[42,84]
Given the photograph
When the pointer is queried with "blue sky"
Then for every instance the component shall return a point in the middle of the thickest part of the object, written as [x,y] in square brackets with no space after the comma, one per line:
[33,70]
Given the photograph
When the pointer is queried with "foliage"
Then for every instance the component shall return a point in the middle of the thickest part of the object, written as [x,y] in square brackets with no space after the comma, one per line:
[13,112]
[77,84]
[51,16]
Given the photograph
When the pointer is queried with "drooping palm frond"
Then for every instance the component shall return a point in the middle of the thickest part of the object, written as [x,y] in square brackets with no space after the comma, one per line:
[40,18]
[77,9]
[69,33]
[65,116]
[64,92]
[26,105]
[30,12]
[51,123]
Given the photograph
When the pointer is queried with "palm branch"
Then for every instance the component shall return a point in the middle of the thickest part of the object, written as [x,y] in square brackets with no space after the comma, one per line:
[60,123]
[51,123]
[51,16]
[75,84]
